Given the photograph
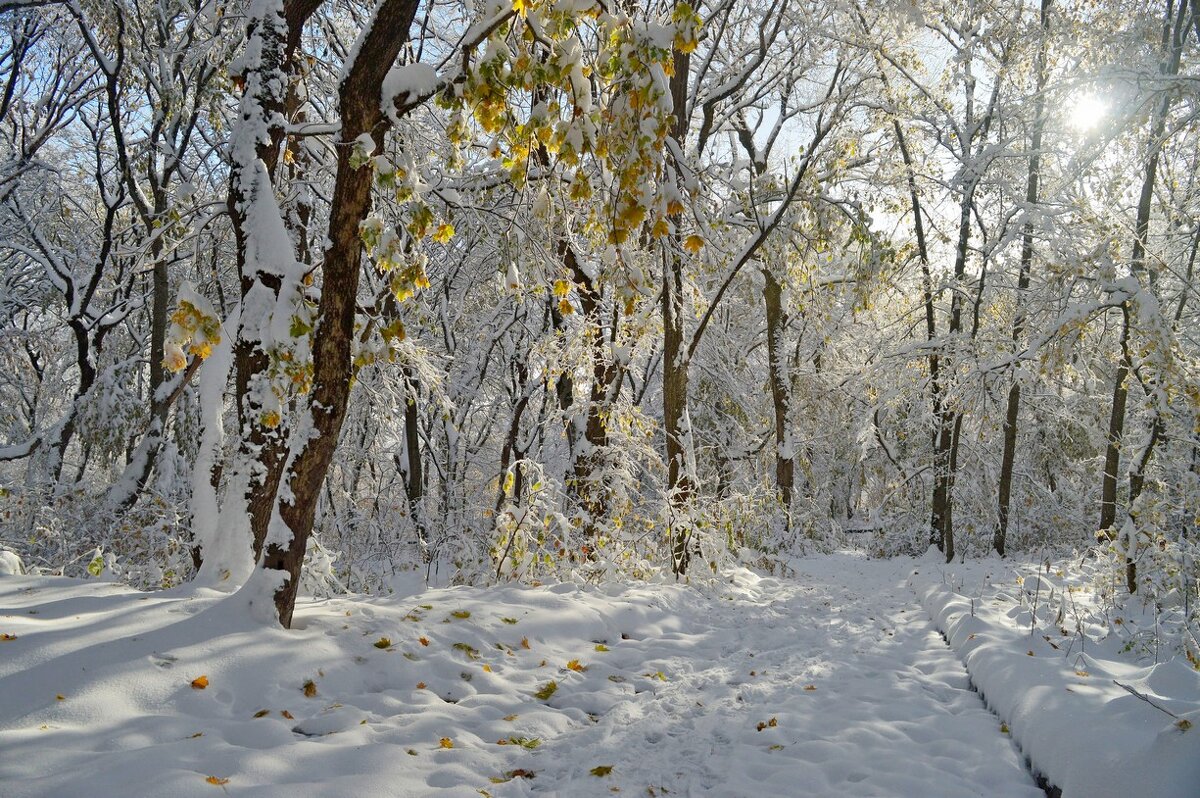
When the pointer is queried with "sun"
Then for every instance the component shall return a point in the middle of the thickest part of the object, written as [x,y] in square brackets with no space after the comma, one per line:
[1086,111]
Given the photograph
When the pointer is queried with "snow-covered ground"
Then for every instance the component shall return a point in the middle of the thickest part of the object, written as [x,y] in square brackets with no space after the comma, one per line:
[833,681]
[1092,709]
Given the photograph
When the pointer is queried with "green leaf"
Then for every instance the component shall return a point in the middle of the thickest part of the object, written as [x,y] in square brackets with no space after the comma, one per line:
[547,690]
[529,743]
[509,620]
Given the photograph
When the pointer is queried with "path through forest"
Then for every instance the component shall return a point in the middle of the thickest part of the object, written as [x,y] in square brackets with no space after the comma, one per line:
[859,693]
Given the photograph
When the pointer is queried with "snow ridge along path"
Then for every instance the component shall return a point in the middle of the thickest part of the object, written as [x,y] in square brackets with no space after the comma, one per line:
[831,683]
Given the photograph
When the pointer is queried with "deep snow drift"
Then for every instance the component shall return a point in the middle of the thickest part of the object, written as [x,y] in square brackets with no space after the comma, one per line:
[833,681]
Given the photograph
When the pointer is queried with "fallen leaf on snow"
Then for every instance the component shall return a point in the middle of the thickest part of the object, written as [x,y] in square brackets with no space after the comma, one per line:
[216,781]
[446,742]
[200,682]
[601,770]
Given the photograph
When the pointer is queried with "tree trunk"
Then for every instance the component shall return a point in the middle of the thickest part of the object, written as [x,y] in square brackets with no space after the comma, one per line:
[676,425]
[1013,408]
[1174,35]
[360,105]
[780,392]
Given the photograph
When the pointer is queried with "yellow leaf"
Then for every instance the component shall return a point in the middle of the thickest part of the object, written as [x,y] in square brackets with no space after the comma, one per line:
[310,688]
[6,637]
[446,742]
[216,781]
[520,7]
[574,665]
[383,642]
[561,288]
[444,233]
[565,307]
[487,668]
[601,770]
[693,244]
[525,642]
[200,682]
[601,647]
[810,687]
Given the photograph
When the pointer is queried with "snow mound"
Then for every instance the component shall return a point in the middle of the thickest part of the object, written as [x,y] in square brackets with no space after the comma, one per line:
[1093,724]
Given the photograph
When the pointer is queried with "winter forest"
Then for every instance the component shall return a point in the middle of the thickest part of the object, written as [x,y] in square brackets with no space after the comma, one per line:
[651,314]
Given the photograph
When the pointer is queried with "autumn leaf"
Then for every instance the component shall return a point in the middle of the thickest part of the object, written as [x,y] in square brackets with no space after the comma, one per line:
[487,668]
[446,742]
[287,714]
[7,638]
[461,614]
[216,781]
[601,647]
[60,697]
[310,688]
[420,685]
[509,620]
[547,690]
[575,665]
[693,244]
[444,233]
[810,687]
[525,643]
[601,770]
[262,713]
[423,641]
[200,682]
[511,718]
[383,642]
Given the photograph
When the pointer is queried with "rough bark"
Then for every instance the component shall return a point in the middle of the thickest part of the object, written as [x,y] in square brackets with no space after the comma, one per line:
[360,105]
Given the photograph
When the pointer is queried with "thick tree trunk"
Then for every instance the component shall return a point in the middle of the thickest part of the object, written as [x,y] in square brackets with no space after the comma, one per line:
[262,450]
[780,391]
[360,104]
[676,425]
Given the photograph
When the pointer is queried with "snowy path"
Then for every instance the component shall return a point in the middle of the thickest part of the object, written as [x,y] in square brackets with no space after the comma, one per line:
[867,698]
[856,693]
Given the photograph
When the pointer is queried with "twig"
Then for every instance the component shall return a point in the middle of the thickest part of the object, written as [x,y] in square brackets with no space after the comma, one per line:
[1145,698]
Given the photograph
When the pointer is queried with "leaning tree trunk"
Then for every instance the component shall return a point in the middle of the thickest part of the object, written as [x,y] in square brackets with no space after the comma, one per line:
[360,100]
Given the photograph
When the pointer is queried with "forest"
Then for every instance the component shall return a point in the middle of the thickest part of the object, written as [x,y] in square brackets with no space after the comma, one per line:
[310,301]
[515,290]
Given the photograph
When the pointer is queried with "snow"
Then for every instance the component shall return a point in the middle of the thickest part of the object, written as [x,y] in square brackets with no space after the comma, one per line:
[1059,693]
[855,691]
